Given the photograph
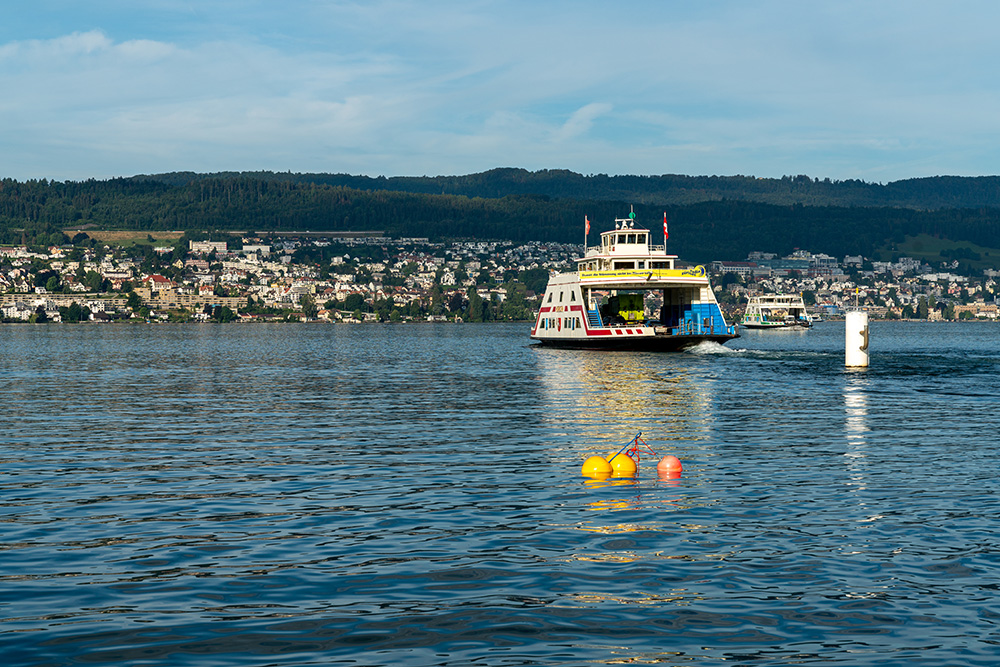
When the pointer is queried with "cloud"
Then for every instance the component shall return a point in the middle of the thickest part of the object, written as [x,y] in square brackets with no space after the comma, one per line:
[581,121]
[386,87]
[146,98]
[68,46]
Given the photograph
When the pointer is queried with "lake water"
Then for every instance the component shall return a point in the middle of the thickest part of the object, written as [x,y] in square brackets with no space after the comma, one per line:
[411,495]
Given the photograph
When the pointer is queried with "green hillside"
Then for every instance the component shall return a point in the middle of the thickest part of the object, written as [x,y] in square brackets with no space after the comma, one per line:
[38,212]
[935,250]
[669,189]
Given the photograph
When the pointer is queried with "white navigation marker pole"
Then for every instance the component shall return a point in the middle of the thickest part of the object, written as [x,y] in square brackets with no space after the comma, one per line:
[856,339]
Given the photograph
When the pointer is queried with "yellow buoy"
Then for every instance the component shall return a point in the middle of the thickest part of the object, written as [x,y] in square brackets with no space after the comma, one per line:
[622,465]
[597,467]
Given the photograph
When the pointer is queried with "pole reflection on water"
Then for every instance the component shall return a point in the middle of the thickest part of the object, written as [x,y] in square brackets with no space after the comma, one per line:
[856,409]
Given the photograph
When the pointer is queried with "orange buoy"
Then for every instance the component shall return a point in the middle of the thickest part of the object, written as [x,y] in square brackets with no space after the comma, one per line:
[623,465]
[669,465]
[597,467]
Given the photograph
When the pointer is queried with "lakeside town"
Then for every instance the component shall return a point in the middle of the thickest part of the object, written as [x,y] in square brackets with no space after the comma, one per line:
[367,277]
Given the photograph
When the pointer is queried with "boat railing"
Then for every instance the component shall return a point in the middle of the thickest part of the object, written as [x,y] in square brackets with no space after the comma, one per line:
[684,328]
[701,328]
[597,250]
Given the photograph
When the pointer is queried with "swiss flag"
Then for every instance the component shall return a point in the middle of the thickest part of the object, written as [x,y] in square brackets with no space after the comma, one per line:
[586,220]
[665,235]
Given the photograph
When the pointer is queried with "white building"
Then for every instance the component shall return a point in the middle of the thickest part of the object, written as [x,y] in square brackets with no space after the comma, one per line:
[207,247]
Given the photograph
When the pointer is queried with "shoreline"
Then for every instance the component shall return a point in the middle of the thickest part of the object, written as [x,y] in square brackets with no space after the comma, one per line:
[423,322]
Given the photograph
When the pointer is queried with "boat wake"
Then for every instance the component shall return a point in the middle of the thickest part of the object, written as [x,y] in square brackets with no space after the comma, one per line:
[711,347]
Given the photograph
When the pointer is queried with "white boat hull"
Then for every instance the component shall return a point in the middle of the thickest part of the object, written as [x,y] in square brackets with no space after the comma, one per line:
[628,294]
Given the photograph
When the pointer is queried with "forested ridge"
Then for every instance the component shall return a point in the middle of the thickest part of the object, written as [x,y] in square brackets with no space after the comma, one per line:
[668,189]
[710,217]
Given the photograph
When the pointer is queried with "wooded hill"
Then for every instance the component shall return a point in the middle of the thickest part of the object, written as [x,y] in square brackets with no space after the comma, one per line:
[669,189]
[710,217]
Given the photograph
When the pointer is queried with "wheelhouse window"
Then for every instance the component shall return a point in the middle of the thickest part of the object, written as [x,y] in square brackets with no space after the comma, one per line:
[624,265]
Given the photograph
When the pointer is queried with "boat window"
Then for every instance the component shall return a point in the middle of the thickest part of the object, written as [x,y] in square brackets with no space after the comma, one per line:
[621,238]
[560,297]
[624,265]
[642,265]
[659,265]
[572,296]
[641,239]
[549,300]
[631,238]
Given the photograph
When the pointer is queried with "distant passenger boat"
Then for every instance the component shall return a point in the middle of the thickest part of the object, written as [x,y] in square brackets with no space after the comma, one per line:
[604,304]
[776,311]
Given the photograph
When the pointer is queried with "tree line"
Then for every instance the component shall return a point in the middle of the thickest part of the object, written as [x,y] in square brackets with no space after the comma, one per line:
[41,212]
[668,189]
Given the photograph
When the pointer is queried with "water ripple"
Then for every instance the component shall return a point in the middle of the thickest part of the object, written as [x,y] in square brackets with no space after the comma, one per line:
[411,495]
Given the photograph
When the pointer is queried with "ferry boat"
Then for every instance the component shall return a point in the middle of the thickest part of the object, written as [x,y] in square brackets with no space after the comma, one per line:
[776,311]
[627,294]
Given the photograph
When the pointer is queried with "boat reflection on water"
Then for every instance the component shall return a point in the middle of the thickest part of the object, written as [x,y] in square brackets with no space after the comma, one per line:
[602,400]
[598,401]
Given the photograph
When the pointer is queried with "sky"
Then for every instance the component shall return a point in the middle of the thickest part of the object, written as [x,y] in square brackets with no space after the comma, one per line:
[878,91]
